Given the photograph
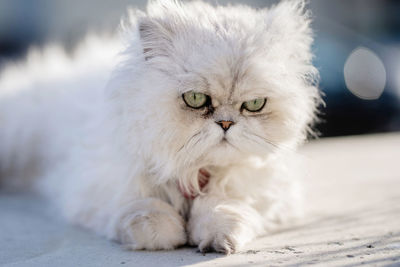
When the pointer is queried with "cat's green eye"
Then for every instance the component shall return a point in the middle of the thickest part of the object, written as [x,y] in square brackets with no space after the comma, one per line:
[255,104]
[195,100]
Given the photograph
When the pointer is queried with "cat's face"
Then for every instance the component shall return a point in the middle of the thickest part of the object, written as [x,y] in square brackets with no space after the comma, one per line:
[219,85]
[230,112]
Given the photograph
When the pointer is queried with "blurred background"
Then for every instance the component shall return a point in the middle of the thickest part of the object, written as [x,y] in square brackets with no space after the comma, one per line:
[357,50]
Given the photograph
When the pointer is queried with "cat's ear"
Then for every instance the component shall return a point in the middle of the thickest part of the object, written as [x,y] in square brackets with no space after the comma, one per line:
[154,36]
[289,22]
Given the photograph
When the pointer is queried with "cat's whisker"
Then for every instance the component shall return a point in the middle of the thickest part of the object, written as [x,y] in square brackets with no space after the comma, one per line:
[268,141]
[257,140]
[187,142]
[264,140]
[278,146]
[286,148]
[190,146]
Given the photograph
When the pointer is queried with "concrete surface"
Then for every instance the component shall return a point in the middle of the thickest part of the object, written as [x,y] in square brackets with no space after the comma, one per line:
[352,202]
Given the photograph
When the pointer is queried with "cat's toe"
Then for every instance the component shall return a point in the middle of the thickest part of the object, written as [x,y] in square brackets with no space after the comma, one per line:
[205,247]
[220,243]
[224,244]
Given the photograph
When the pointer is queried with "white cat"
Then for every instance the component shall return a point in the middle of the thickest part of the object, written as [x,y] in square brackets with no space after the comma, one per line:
[185,137]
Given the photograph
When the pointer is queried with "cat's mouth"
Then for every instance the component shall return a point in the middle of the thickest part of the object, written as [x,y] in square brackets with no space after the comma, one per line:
[225,142]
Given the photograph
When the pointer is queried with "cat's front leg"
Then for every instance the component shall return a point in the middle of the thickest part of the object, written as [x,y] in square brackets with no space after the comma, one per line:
[222,225]
[149,224]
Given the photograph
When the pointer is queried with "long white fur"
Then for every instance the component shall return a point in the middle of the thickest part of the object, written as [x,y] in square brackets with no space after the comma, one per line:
[110,140]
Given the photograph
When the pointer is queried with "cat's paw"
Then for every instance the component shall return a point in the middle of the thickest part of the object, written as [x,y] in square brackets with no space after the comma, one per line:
[217,232]
[155,226]
[212,237]
[222,226]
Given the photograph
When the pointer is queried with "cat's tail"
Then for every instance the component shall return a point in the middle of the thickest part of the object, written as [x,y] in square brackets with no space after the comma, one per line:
[43,99]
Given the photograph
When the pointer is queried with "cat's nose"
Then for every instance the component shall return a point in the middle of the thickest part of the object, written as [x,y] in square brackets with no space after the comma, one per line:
[225,125]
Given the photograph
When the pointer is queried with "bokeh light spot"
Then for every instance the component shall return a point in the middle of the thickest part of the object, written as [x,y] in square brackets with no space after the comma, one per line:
[365,74]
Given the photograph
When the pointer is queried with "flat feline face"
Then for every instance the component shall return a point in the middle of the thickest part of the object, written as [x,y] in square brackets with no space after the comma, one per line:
[221,84]
[234,111]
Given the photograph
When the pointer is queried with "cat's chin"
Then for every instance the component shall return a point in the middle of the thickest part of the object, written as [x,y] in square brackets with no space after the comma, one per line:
[227,152]
[224,153]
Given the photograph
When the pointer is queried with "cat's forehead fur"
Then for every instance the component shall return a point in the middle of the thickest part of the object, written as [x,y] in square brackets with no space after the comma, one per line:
[233,52]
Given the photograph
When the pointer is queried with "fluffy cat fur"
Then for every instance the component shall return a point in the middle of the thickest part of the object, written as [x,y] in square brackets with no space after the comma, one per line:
[110,140]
